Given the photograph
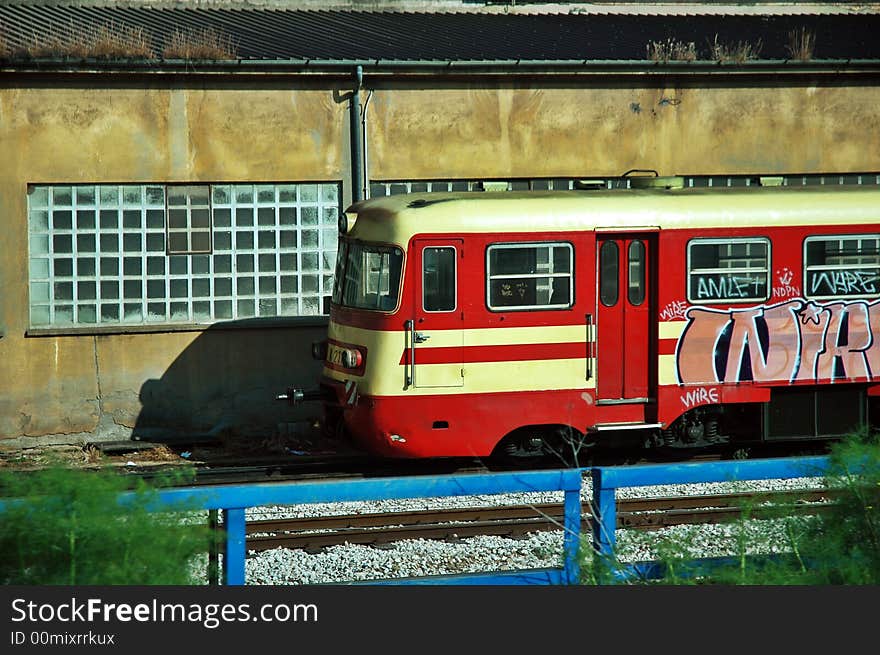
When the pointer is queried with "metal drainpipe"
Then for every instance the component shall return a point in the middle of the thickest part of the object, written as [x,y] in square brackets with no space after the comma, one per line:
[365,143]
[354,117]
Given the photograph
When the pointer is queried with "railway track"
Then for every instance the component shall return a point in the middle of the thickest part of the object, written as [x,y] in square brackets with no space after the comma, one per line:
[314,534]
[303,469]
[242,470]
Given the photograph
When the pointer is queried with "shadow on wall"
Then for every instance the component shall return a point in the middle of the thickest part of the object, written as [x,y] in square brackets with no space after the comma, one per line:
[226,381]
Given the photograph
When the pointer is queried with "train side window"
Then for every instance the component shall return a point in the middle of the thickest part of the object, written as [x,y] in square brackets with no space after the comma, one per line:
[636,273]
[530,276]
[845,266]
[728,270]
[438,279]
[609,274]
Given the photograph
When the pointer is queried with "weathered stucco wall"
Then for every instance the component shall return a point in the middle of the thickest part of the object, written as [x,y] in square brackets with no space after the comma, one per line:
[542,131]
[65,387]
[58,131]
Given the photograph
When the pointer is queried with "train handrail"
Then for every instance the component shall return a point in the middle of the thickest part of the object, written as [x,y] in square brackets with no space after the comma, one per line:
[588,319]
[409,341]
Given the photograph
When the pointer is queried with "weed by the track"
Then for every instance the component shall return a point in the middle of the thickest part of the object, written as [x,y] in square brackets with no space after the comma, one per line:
[65,527]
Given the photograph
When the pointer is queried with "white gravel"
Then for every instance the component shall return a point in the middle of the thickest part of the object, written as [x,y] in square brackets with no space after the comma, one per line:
[420,557]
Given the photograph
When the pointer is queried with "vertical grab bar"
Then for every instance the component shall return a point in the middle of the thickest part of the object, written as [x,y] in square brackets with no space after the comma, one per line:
[409,335]
[589,337]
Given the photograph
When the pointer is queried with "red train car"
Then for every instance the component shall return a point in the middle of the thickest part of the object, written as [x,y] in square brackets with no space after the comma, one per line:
[476,323]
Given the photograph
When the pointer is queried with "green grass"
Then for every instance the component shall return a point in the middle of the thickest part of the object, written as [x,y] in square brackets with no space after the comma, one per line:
[66,528]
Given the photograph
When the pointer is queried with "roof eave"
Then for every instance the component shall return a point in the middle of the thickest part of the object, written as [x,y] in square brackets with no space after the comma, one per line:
[389,67]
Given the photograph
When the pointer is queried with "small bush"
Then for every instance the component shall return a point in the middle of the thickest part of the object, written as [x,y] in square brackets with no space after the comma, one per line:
[65,527]
[103,42]
[845,546]
[801,44]
[199,44]
[671,50]
[734,52]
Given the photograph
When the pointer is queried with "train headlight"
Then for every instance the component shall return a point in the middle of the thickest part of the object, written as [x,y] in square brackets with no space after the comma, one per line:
[346,222]
[346,356]
[352,358]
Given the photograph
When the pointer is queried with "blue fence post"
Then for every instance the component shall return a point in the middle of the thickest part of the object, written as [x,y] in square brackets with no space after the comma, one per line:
[604,522]
[572,532]
[234,554]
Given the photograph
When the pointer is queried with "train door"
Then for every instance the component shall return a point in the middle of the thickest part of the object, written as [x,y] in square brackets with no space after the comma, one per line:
[436,335]
[623,326]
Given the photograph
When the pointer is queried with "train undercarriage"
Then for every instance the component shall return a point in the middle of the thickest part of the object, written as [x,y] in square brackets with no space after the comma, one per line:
[807,415]
[810,415]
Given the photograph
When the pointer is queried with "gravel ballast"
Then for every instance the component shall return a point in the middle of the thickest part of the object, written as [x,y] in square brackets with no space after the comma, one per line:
[421,557]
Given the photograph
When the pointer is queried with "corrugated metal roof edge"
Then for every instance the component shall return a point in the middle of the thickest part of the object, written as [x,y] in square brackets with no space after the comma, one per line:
[623,8]
[444,63]
[489,67]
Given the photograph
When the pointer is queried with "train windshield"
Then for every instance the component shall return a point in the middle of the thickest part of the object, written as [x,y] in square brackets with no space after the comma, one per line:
[367,276]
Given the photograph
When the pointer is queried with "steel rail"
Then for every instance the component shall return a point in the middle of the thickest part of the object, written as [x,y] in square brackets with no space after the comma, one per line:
[315,533]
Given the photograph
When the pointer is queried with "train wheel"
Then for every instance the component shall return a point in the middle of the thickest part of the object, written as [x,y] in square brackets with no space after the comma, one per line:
[522,450]
[570,447]
[553,445]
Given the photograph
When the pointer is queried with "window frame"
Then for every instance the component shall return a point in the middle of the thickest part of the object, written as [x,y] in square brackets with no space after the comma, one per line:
[530,244]
[189,231]
[340,280]
[602,277]
[454,279]
[805,266]
[643,278]
[294,207]
[728,241]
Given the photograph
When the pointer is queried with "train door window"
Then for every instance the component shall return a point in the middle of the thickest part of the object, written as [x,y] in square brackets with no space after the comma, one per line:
[438,279]
[530,276]
[608,273]
[728,270]
[636,273]
[842,266]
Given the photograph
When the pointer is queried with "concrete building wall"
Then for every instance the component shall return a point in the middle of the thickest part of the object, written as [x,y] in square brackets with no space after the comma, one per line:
[86,385]
[59,388]
[540,130]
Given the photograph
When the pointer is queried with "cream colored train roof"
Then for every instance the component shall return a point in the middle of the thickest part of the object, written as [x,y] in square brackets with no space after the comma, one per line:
[395,219]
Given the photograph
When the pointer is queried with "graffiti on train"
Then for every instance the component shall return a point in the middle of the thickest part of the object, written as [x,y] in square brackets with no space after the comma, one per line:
[785,288]
[792,341]
[674,311]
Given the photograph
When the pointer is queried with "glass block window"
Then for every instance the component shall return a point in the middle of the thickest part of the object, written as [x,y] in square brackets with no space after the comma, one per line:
[154,254]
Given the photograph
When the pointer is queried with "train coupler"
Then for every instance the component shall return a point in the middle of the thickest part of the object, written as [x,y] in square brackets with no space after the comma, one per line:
[295,396]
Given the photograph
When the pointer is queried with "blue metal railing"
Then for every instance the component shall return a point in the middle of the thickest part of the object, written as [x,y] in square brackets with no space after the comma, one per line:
[233,500]
[607,480]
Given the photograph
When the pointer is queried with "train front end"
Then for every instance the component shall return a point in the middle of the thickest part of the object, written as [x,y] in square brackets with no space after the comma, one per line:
[363,348]
[360,344]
